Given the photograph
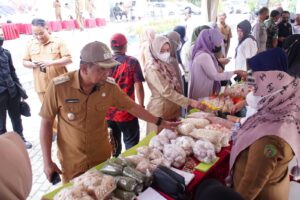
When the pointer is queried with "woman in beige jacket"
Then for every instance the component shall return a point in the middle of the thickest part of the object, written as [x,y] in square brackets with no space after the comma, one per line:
[166,92]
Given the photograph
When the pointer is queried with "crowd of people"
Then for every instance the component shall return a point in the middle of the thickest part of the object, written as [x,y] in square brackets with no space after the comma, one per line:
[90,108]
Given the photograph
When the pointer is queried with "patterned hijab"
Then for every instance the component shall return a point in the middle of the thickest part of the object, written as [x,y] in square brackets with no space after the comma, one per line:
[279,111]
[165,69]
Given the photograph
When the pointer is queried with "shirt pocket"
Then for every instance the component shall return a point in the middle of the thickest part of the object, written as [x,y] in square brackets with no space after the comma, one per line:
[102,107]
[35,50]
[71,111]
[54,50]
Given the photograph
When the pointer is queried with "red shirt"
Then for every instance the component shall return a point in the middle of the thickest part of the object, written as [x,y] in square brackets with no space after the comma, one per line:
[126,75]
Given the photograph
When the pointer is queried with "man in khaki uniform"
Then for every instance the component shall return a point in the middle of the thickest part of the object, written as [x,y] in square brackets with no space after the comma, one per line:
[262,169]
[47,56]
[57,8]
[80,100]
[225,30]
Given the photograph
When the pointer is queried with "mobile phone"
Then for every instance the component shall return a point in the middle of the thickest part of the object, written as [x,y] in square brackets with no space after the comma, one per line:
[43,69]
[55,178]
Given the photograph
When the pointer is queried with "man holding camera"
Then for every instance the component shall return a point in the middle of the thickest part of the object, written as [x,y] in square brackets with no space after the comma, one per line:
[47,56]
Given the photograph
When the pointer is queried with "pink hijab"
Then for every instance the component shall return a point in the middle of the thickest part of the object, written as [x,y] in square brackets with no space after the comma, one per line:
[15,171]
[165,69]
[279,114]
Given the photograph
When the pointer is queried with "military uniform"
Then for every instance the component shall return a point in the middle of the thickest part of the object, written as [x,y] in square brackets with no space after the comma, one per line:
[261,171]
[272,32]
[54,49]
[82,132]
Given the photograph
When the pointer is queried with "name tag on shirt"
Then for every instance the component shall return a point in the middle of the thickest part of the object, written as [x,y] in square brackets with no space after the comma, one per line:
[72,100]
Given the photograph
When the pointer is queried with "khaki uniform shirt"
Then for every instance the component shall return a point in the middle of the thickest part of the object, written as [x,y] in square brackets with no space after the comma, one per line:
[164,102]
[261,171]
[226,31]
[82,136]
[53,50]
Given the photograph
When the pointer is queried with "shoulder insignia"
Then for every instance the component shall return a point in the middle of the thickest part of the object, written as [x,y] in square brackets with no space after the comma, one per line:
[270,151]
[110,80]
[61,79]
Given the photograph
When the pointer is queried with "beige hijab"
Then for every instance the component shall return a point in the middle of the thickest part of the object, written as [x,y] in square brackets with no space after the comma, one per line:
[15,168]
[174,39]
[165,69]
[145,38]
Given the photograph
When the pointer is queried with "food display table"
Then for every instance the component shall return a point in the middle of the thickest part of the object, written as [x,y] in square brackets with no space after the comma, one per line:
[10,31]
[218,170]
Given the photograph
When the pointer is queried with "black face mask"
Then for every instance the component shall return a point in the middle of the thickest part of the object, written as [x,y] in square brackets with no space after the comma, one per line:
[217,49]
[267,17]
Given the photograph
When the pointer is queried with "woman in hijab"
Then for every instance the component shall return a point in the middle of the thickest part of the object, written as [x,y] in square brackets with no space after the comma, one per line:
[181,31]
[166,92]
[145,38]
[186,55]
[269,139]
[292,46]
[247,46]
[15,173]
[204,71]
[175,42]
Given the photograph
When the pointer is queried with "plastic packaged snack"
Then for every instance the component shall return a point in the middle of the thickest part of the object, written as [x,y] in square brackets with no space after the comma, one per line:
[126,183]
[112,169]
[133,173]
[124,195]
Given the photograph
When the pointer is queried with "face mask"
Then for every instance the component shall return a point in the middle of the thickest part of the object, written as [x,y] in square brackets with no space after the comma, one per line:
[165,57]
[267,17]
[252,100]
[217,49]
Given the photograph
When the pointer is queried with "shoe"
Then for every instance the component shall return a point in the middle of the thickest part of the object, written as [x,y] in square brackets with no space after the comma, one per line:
[28,145]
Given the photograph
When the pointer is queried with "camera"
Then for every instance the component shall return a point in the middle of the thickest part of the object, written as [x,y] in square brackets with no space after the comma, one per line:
[55,178]
[43,68]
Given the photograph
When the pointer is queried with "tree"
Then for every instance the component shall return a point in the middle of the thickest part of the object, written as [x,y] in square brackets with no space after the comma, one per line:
[196,2]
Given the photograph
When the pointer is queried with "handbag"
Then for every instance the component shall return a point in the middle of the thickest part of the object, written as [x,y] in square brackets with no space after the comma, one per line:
[21,91]
[25,109]
[170,183]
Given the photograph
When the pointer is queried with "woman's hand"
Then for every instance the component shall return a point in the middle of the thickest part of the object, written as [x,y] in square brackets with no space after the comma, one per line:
[241,73]
[238,106]
[196,104]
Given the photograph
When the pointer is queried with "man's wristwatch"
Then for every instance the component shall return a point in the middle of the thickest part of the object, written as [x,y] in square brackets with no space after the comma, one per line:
[159,121]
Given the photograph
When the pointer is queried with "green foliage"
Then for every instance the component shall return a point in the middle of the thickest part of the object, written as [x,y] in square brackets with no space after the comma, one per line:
[161,26]
[196,2]
[252,4]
